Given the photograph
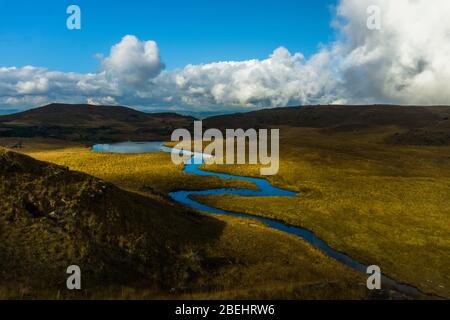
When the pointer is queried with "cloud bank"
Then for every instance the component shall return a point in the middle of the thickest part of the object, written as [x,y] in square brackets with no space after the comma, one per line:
[281,79]
[407,61]
[404,62]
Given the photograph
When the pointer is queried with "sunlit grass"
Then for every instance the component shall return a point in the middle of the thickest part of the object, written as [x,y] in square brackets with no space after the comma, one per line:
[152,172]
[384,205]
[381,204]
[247,261]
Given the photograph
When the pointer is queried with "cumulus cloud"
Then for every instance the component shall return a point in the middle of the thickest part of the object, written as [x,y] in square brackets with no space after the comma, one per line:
[30,86]
[133,62]
[406,62]
[33,86]
[125,75]
[105,101]
[279,80]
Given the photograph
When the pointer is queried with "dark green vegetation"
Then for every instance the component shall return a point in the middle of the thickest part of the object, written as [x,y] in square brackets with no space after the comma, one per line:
[88,123]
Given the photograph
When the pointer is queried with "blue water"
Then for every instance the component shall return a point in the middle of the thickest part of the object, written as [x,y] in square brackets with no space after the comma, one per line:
[263,189]
[129,147]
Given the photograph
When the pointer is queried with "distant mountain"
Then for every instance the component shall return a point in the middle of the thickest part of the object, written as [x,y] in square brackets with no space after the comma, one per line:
[91,123]
[8,111]
[51,218]
[418,125]
[207,114]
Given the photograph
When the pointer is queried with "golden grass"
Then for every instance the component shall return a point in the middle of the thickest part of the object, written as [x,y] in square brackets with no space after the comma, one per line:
[247,260]
[152,172]
[381,204]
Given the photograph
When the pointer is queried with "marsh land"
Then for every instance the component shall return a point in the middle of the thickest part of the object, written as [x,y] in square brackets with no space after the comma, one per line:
[372,181]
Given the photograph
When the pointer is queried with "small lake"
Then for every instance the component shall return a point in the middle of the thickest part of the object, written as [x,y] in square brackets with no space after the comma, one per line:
[129,147]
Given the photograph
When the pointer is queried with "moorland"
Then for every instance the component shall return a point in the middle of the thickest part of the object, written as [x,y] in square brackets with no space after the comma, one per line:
[372,181]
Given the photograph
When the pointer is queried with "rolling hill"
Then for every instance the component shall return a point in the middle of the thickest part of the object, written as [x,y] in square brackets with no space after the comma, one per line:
[336,157]
[133,246]
[416,125]
[88,123]
[51,218]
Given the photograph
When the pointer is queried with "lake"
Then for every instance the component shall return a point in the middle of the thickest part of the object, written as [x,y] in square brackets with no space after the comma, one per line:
[129,147]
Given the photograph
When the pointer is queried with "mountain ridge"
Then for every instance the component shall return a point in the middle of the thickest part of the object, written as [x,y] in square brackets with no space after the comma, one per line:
[418,125]
[88,123]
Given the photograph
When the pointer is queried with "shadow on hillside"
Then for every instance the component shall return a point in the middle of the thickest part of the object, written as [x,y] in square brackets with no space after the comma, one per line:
[51,218]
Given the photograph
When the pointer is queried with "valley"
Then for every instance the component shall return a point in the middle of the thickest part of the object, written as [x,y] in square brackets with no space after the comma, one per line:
[379,200]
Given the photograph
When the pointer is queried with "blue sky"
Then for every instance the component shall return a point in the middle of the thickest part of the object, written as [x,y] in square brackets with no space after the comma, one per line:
[187,32]
[223,56]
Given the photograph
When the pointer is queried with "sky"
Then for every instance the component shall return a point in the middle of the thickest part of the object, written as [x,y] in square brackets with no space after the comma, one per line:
[222,56]
[187,31]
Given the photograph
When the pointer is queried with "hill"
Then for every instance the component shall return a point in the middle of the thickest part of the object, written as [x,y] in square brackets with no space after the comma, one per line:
[144,247]
[51,218]
[417,125]
[90,123]
[372,182]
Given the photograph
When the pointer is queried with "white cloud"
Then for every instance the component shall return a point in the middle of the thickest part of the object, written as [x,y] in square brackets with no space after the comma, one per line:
[279,80]
[24,100]
[30,86]
[34,86]
[106,101]
[133,62]
[404,62]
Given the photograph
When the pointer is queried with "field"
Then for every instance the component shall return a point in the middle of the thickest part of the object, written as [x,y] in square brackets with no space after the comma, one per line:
[227,257]
[373,182]
[382,204]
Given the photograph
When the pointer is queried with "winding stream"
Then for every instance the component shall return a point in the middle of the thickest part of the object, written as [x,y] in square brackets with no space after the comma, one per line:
[264,189]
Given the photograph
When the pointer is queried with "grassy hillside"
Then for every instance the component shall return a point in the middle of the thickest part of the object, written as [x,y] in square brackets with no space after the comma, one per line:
[415,125]
[88,123]
[380,203]
[52,217]
[363,187]
[134,246]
